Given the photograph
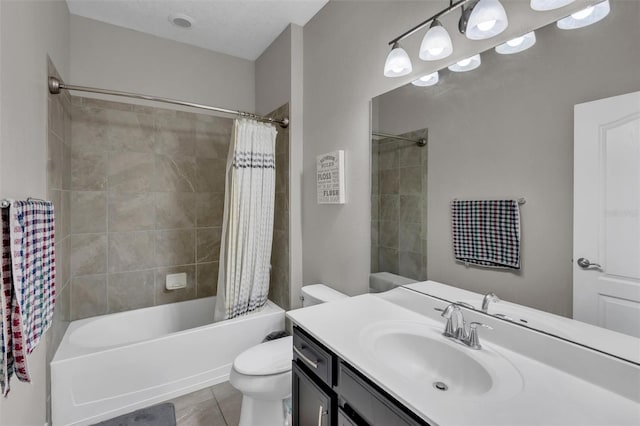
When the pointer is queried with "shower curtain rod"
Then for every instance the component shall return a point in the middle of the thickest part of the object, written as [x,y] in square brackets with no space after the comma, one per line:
[419,142]
[55,85]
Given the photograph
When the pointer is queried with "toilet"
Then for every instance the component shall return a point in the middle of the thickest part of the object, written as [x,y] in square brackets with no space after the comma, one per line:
[263,373]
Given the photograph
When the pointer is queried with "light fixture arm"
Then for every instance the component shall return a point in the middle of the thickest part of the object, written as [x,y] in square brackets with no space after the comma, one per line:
[452,6]
[464,16]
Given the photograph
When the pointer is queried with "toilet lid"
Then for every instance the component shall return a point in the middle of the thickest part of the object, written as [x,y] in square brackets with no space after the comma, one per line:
[267,358]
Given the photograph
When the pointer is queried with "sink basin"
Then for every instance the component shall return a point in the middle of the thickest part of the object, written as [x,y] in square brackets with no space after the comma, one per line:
[423,357]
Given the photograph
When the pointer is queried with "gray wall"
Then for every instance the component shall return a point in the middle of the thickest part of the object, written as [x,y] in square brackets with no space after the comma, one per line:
[345,47]
[104,55]
[29,31]
[506,129]
[278,81]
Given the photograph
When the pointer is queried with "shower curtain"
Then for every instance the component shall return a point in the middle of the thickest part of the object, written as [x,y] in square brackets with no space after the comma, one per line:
[247,228]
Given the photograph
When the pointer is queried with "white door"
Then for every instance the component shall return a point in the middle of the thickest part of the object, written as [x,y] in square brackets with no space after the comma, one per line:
[606,213]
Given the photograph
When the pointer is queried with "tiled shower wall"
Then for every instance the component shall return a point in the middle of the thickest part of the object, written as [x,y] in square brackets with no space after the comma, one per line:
[58,191]
[279,284]
[147,198]
[399,206]
[147,194]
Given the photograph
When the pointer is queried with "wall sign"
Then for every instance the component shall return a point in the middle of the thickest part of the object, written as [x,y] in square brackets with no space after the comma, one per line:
[330,177]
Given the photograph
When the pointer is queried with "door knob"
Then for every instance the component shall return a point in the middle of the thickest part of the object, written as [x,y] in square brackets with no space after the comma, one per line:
[585,264]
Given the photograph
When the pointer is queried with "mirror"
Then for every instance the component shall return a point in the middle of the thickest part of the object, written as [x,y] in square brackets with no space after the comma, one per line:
[506,130]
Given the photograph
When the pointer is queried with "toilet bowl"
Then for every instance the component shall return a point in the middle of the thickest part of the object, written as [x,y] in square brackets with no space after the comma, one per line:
[263,373]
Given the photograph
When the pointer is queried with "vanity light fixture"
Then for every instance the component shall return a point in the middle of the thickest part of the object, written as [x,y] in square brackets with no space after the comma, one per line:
[398,63]
[483,19]
[427,80]
[544,5]
[585,17]
[436,43]
[467,64]
[517,44]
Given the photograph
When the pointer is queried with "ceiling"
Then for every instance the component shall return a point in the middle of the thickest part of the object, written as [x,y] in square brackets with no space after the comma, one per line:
[242,28]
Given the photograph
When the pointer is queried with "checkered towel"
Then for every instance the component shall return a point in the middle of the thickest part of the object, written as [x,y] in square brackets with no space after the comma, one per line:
[486,233]
[28,283]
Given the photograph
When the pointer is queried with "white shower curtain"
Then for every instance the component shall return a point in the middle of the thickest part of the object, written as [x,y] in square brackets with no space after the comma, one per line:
[247,228]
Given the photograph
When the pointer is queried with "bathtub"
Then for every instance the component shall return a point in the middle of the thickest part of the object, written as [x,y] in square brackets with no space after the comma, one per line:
[113,364]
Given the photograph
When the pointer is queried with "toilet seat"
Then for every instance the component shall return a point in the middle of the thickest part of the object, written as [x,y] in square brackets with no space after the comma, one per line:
[265,359]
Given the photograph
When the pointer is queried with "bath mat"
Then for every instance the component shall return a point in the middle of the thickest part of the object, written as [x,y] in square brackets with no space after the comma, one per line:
[158,415]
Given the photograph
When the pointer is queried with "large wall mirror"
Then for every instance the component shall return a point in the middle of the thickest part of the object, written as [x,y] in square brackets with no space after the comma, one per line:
[506,130]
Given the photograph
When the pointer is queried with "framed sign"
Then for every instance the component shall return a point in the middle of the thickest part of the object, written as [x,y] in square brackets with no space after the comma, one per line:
[330,177]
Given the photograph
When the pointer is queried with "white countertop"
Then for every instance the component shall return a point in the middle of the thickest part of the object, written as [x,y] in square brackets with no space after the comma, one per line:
[545,396]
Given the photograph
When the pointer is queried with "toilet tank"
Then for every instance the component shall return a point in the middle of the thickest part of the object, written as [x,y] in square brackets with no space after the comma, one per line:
[315,294]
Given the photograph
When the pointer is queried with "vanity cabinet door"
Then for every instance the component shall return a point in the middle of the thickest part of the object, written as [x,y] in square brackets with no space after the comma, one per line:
[372,406]
[312,404]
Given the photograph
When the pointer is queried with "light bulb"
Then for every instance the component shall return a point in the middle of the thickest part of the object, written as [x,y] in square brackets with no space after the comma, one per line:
[466,64]
[436,43]
[516,41]
[583,13]
[585,17]
[485,19]
[398,63]
[543,5]
[517,44]
[427,80]
[487,25]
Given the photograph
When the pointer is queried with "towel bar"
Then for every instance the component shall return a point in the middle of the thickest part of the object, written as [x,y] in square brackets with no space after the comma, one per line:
[520,200]
[4,203]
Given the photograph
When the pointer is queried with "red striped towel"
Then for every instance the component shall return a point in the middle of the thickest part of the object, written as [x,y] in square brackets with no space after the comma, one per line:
[31,253]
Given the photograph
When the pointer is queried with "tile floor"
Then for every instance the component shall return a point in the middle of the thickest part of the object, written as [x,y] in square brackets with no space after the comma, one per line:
[218,405]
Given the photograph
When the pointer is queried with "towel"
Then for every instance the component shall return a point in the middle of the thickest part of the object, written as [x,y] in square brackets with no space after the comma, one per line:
[28,283]
[486,233]
[6,297]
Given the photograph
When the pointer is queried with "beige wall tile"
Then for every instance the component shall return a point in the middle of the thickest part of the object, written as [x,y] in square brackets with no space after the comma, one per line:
[88,296]
[410,237]
[389,207]
[169,296]
[174,174]
[66,162]
[175,209]
[388,234]
[88,171]
[281,212]
[210,175]
[209,209]
[389,181]
[130,172]
[388,157]
[130,290]
[54,161]
[208,244]
[410,264]
[175,135]
[409,154]
[207,279]
[88,129]
[175,247]
[129,251]
[411,180]
[131,212]
[127,131]
[410,208]
[88,212]
[388,260]
[88,254]
[65,211]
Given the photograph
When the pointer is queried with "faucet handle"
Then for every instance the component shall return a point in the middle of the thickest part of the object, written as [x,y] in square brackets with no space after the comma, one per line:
[473,341]
[466,305]
[489,297]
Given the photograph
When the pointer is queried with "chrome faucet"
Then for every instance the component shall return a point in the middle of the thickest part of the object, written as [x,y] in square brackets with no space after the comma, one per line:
[488,298]
[456,327]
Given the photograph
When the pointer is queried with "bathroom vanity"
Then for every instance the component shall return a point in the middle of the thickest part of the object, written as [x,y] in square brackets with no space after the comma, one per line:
[381,359]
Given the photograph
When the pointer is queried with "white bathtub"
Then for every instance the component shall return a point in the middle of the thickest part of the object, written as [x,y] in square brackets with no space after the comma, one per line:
[113,364]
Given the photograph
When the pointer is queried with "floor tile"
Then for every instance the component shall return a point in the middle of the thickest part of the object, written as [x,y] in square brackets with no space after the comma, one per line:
[229,400]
